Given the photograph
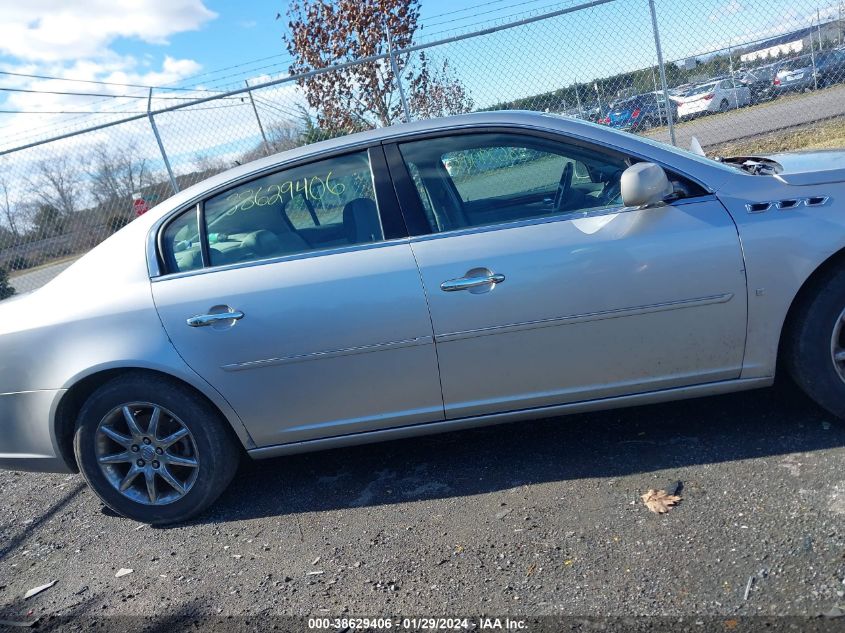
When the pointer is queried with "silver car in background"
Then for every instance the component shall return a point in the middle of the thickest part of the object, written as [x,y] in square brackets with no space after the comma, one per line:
[711,97]
[426,277]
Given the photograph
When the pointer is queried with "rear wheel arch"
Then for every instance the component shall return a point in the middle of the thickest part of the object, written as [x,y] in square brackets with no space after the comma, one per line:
[71,403]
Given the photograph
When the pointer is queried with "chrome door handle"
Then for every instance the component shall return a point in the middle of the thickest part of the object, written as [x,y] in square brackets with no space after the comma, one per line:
[202,320]
[466,283]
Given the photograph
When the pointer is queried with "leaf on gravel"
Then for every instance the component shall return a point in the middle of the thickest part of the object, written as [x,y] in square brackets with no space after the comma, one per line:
[36,590]
[658,501]
[123,571]
[503,513]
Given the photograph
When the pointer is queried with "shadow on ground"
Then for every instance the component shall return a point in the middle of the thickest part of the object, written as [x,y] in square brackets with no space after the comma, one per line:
[607,444]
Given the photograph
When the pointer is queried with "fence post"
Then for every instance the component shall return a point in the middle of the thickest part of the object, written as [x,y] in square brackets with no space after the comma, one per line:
[258,118]
[160,144]
[813,59]
[395,68]
[662,65]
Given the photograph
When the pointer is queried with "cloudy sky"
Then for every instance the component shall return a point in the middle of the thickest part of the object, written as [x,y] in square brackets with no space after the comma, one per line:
[216,44]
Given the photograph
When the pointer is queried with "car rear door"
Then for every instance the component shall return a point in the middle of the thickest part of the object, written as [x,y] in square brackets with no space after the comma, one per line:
[539,299]
[305,337]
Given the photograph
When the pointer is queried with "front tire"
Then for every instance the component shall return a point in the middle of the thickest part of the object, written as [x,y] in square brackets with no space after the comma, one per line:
[815,344]
[153,450]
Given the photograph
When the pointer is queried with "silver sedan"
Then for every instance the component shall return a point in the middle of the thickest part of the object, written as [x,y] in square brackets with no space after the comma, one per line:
[427,277]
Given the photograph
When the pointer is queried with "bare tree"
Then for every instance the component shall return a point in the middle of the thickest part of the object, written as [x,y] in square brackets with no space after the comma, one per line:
[117,173]
[208,165]
[325,33]
[57,183]
[9,210]
[283,136]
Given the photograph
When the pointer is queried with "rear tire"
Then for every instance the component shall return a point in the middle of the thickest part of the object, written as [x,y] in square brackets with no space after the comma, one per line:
[815,337]
[158,472]
[723,107]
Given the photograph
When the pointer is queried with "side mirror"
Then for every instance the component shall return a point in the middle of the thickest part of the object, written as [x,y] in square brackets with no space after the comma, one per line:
[644,184]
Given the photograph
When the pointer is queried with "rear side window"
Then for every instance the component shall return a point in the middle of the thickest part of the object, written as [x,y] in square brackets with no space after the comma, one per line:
[326,204]
[323,204]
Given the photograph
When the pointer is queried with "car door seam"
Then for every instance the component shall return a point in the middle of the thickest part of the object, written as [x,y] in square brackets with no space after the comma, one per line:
[431,320]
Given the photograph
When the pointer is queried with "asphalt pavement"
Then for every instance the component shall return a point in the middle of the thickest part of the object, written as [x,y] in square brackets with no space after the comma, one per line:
[526,519]
[27,281]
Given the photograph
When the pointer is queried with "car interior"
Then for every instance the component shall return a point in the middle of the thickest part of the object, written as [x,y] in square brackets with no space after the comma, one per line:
[526,179]
[267,231]
[285,224]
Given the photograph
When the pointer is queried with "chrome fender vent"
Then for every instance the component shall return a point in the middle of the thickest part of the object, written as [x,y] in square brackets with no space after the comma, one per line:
[785,205]
[758,207]
[816,201]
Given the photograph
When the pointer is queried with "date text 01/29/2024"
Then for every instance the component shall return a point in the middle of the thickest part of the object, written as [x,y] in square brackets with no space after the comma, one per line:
[418,624]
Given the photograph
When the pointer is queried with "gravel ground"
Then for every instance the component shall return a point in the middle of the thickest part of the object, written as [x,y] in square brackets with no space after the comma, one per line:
[525,519]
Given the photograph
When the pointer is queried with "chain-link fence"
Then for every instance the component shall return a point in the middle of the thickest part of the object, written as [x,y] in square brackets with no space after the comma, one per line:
[741,76]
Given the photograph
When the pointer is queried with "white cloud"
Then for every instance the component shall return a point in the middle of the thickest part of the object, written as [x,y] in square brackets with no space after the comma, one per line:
[729,8]
[73,40]
[49,31]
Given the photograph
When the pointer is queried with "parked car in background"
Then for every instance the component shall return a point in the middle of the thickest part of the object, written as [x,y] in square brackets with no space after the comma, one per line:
[716,96]
[759,81]
[794,75]
[636,113]
[830,68]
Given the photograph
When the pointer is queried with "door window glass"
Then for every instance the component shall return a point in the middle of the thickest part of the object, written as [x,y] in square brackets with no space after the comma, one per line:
[475,180]
[324,204]
[181,241]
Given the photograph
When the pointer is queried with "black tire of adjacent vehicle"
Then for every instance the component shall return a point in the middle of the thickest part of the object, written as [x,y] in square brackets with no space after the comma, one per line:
[807,351]
[218,452]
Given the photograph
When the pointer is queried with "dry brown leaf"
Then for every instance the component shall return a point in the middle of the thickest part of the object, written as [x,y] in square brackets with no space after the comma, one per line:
[658,501]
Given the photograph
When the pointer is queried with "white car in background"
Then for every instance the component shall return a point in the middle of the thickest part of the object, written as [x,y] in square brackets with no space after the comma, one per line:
[714,96]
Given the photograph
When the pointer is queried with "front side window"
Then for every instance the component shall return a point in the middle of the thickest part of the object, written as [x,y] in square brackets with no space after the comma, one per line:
[475,180]
[326,204]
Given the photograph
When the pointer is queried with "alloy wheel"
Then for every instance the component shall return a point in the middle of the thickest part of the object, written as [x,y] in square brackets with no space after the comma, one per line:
[837,346]
[146,453]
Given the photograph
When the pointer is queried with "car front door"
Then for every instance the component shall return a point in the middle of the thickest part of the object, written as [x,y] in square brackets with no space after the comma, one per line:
[543,290]
[297,297]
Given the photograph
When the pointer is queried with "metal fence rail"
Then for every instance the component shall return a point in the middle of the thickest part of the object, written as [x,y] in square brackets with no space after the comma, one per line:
[739,75]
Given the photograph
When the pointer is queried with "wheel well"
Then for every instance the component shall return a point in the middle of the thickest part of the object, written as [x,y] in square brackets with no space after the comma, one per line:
[811,286]
[72,402]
